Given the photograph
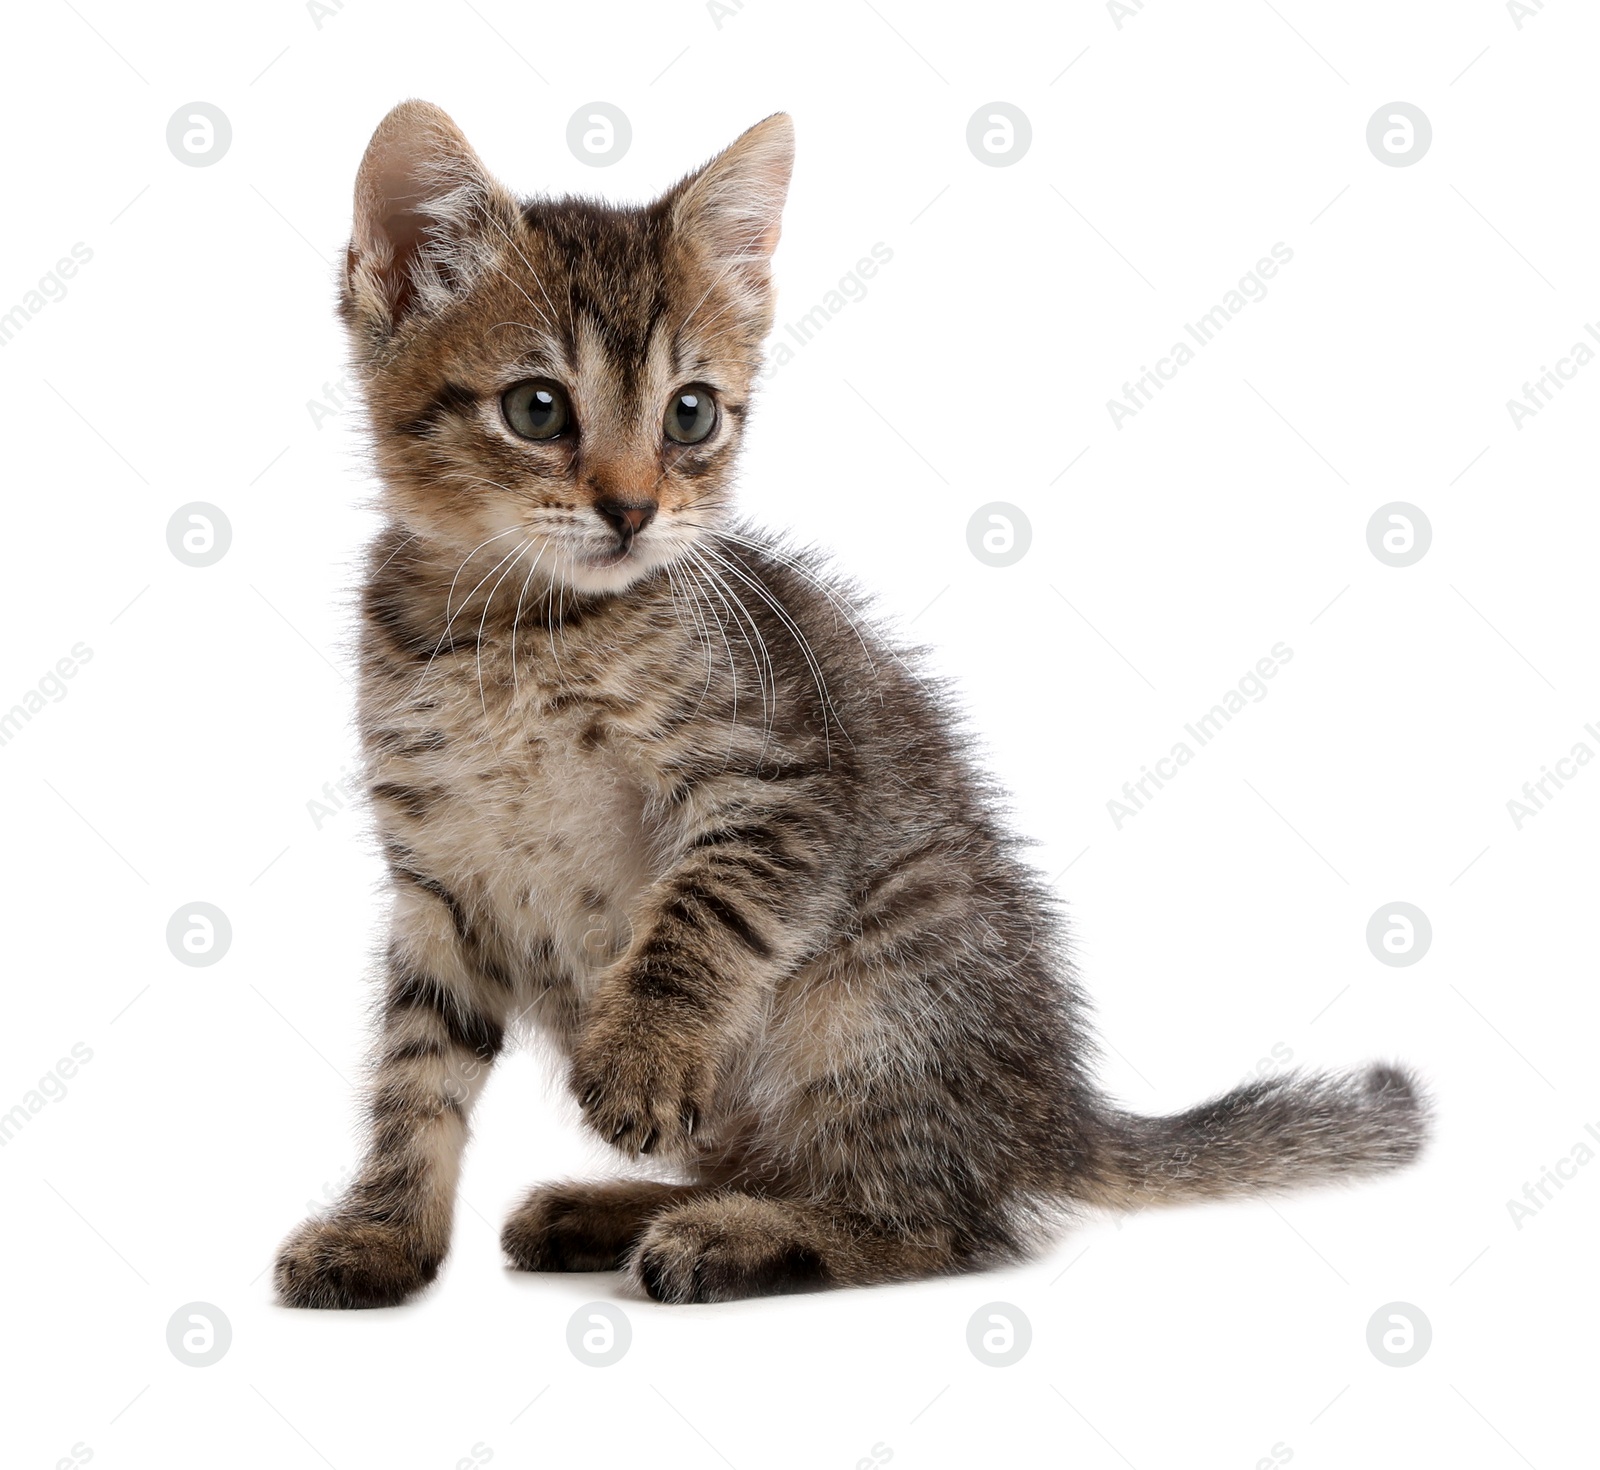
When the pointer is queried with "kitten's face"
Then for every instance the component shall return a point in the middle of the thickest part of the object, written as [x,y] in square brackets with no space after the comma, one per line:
[564,381]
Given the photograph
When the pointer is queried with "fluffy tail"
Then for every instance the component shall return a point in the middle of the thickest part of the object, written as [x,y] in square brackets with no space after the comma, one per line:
[1274,1134]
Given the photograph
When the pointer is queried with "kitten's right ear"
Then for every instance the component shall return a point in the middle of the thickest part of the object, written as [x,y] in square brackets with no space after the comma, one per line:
[732,208]
[423,208]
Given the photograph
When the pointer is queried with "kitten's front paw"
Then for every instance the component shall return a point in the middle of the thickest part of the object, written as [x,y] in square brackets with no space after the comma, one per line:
[343,1262]
[641,1089]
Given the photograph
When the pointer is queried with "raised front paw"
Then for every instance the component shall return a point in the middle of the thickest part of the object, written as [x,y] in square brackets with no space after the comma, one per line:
[350,1262]
[642,1088]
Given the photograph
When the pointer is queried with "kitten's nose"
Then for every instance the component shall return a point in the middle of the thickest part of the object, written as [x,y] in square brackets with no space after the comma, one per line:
[626,517]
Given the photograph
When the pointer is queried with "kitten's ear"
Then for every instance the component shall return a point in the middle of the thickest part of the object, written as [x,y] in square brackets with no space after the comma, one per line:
[424,205]
[732,208]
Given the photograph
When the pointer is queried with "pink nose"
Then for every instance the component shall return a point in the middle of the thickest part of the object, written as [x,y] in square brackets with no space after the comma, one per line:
[626,518]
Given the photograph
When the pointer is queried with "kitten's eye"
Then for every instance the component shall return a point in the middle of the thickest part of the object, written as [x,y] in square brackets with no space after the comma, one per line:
[692,414]
[536,409]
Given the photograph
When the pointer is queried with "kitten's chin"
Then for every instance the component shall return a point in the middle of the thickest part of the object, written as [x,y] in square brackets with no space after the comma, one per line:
[602,576]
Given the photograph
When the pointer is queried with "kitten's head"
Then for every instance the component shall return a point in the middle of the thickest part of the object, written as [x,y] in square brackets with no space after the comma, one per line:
[562,376]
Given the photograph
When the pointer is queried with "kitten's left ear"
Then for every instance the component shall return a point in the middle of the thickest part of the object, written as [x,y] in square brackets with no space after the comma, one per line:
[424,206]
[732,208]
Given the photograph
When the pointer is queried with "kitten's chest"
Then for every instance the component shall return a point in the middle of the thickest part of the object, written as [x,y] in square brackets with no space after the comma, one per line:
[517,801]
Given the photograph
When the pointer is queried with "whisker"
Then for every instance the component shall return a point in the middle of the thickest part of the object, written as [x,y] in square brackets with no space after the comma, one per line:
[488,602]
[766,724]
[812,662]
[705,642]
[763,661]
[450,617]
[516,619]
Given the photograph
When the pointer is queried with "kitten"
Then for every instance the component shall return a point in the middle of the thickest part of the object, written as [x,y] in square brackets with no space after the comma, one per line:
[649,785]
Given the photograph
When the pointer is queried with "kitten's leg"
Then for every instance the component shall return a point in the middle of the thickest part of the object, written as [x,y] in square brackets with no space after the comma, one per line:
[443,1025]
[586,1227]
[745,900]
[726,1246]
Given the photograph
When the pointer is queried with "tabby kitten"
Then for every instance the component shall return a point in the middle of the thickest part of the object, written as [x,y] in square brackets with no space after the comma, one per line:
[649,785]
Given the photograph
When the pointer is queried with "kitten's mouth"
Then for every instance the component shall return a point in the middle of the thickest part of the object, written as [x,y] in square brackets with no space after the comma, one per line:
[611,557]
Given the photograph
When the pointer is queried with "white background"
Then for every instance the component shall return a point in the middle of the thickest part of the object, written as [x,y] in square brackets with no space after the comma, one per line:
[1226,919]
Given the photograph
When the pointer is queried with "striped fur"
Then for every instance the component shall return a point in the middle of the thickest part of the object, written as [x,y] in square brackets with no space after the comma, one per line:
[672,801]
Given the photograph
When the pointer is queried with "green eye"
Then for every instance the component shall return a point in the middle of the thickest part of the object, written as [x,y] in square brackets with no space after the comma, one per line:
[692,414]
[536,409]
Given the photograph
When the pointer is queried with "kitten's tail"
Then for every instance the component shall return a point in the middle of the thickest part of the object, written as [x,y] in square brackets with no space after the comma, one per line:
[1268,1135]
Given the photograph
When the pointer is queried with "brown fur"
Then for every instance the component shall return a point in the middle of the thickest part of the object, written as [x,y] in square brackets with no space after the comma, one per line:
[661,793]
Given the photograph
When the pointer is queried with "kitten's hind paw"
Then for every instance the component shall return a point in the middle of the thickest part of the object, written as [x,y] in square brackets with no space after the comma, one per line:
[347,1263]
[724,1249]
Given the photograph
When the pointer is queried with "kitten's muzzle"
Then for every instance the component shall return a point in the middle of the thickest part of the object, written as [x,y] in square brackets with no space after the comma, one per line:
[626,517]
